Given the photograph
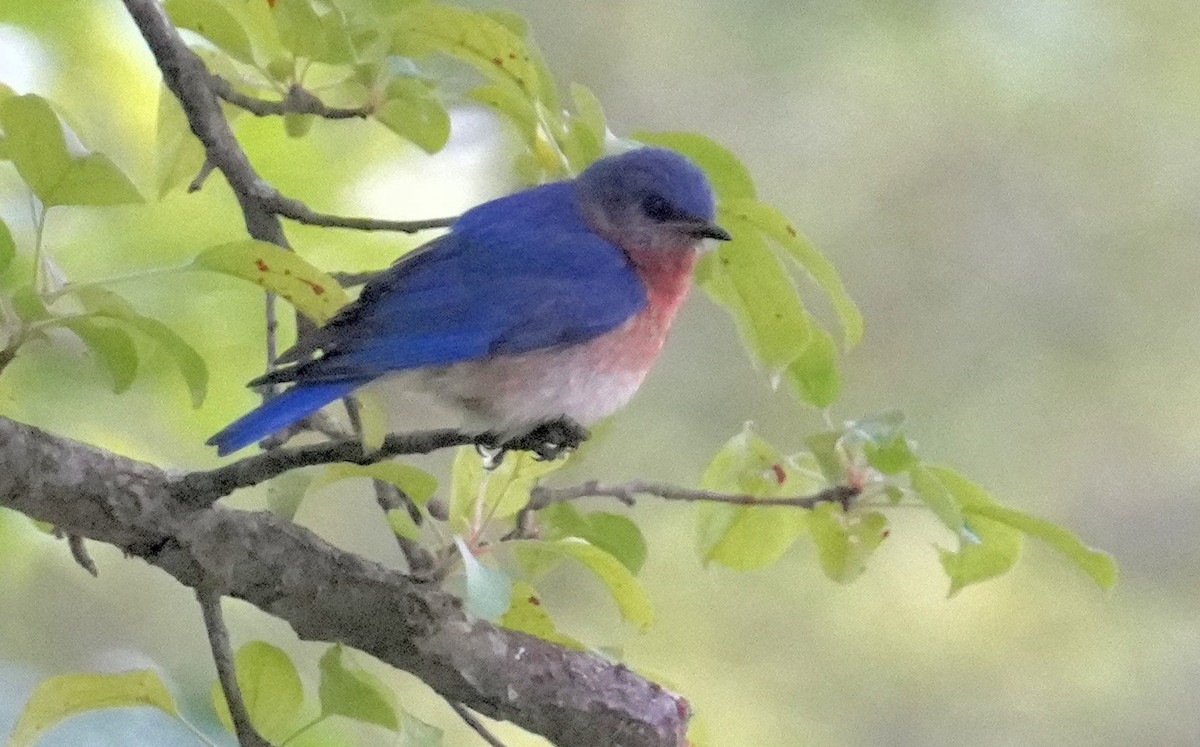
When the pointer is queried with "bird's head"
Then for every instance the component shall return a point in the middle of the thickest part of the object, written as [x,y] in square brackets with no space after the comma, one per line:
[648,198]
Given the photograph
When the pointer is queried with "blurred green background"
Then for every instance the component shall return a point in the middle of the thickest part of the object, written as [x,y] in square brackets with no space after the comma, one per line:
[1009,191]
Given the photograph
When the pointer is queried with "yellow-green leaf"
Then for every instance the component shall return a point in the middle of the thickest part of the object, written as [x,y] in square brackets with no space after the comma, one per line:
[729,178]
[844,541]
[58,698]
[214,22]
[8,247]
[416,483]
[190,363]
[349,690]
[270,687]
[814,374]
[35,143]
[411,110]
[497,493]
[314,293]
[179,153]
[978,504]
[746,277]
[933,493]
[475,38]
[112,347]
[771,222]
[526,614]
[631,599]
[615,534]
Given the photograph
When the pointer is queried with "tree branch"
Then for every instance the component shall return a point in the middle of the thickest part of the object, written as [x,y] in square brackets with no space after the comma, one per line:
[571,697]
[203,488]
[541,496]
[297,100]
[299,212]
[218,641]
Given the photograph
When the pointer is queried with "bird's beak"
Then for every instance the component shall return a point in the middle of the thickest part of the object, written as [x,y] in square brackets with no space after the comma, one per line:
[708,230]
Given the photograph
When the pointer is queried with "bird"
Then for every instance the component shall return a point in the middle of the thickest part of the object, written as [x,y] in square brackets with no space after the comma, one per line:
[548,305]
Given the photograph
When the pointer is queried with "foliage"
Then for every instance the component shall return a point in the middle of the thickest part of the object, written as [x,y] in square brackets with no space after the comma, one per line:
[386,60]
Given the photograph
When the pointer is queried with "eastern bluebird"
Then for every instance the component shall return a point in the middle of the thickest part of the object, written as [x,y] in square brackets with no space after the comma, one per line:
[547,304]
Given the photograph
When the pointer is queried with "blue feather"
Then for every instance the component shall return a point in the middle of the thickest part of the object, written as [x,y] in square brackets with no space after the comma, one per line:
[280,411]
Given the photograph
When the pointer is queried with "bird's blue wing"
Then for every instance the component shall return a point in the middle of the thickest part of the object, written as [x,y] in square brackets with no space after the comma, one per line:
[501,286]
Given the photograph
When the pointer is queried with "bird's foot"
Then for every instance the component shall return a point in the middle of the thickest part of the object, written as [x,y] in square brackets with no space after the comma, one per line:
[547,441]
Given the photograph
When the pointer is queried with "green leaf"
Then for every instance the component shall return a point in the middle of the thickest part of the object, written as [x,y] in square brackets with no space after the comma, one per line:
[630,597]
[511,103]
[35,143]
[112,347]
[214,22]
[475,38]
[416,483]
[991,549]
[372,419]
[747,537]
[771,222]
[934,494]
[298,125]
[498,493]
[825,448]
[402,524]
[814,374]
[526,614]
[978,504]
[351,691]
[748,464]
[844,541]
[58,698]
[27,302]
[314,293]
[270,687]
[300,28]
[412,111]
[179,152]
[615,534]
[190,363]
[416,733]
[488,588]
[286,492]
[746,277]
[891,457]
[8,247]
[729,178]
[878,429]
[589,111]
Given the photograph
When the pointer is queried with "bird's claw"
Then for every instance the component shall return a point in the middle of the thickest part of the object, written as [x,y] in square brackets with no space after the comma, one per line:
[546,442]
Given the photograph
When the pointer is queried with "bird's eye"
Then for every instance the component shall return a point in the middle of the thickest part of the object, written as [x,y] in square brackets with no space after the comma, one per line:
[658,209]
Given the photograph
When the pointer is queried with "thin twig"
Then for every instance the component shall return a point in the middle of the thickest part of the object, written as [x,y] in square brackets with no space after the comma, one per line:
[80,554]
[297,100]
[465,714]
[294,209]
[540,496]
[218,640]
[199,489]
[196,183]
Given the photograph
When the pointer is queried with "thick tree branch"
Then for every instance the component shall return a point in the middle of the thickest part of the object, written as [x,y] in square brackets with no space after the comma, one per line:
[572,698]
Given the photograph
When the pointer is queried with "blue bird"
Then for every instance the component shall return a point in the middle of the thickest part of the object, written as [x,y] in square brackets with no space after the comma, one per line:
[549,303]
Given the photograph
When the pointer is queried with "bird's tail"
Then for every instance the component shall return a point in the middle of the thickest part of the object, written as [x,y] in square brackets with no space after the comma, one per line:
[279,411]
